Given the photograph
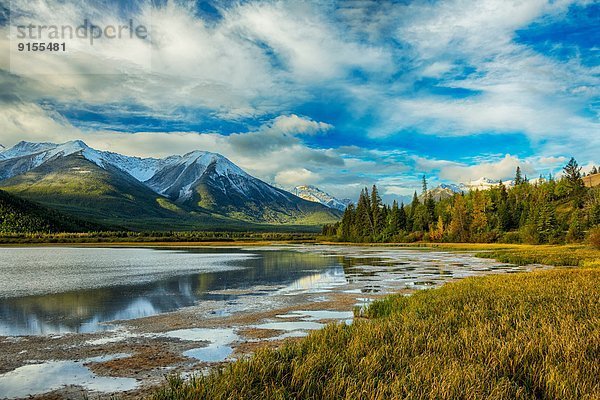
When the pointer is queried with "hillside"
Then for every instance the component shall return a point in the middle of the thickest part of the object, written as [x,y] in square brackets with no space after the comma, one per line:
[591,180]
[21,216]
[199,190]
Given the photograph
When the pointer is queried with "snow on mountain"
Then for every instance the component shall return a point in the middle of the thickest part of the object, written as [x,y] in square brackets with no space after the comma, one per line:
[316,195]
[26,148]
[481,184]
[453,187]
[446,190]
[174,176]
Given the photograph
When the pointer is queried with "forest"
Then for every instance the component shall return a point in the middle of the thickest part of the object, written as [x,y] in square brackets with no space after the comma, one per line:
[548,210]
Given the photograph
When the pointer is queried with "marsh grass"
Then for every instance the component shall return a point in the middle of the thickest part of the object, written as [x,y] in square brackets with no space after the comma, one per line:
[563,255]
[519,336]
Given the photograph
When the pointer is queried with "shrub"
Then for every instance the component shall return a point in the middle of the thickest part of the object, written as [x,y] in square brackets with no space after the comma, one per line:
[511,237]
[594,236]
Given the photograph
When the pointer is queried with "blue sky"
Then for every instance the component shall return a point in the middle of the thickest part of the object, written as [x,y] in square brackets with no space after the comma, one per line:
[339,94]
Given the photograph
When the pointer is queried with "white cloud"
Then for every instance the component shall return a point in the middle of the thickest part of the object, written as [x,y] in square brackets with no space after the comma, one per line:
[502,169]
[291,177]
[295,124]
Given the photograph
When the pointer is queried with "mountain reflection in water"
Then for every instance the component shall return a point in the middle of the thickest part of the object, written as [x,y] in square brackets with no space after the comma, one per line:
[162,290]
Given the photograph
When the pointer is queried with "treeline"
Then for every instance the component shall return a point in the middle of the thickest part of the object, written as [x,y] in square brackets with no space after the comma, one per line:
[153,237]
[547,211]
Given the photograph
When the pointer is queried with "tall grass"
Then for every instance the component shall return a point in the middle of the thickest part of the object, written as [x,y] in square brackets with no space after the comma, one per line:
[521,336]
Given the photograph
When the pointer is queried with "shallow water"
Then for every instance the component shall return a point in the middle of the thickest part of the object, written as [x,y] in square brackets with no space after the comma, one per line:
[52,375]
[219,342]
[61,290]
[55,290]
[65,290]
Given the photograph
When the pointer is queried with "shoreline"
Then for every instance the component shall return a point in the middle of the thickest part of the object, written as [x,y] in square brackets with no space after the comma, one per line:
[151,355]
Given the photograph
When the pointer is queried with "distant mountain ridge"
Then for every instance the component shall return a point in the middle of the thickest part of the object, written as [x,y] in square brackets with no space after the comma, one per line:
[314,194]
[198,186]
[446,190]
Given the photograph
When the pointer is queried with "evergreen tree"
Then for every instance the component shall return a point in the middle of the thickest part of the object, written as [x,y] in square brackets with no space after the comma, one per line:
[572,173]
[402,219]
[518,177]
[576,232]
[377,216]
[345,229]
[547,226]
[429,204]
[574,182]
[394,219]
[364,223]
[504,216]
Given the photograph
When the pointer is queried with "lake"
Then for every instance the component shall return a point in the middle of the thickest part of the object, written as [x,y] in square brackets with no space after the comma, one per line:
[55,290]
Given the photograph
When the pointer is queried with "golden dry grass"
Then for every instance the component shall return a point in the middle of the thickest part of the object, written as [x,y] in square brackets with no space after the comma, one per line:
[519,336]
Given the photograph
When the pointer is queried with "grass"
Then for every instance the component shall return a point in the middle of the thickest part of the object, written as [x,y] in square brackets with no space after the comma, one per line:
[515,336]
[580,255]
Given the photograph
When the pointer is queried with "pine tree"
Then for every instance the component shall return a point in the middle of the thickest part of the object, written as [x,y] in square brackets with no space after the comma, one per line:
[576,232]
[518,177]
[376,211]
[345,229]
[402,219]
[429,204]
[394,219]
[574,181]
[364,224]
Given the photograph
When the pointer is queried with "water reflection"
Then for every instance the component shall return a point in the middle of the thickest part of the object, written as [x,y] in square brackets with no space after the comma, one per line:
[85,310]
[133,283]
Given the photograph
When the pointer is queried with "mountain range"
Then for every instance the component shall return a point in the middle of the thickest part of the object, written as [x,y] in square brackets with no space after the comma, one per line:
[314,194]
[446,190]
[198,190]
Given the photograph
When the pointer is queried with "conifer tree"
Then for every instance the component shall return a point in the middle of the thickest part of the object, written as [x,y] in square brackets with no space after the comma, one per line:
[402,219]
[518,177]
[376,211]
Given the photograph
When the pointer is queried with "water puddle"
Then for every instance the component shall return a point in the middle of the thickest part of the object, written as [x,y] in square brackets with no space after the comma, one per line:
[53,375]
[212,353]
[219,340]
[290,326]
[317,315]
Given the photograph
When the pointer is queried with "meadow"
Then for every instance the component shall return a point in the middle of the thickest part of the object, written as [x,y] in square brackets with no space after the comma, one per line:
[516,336]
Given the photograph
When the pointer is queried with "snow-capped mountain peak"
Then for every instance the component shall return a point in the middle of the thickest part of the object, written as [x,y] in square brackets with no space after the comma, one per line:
[452,187]
[173,176]
[316,195]
[24,148]
[197,181]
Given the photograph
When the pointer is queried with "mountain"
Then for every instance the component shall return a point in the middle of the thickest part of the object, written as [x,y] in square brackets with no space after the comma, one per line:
[446,190]
[481,184]
[198,190]
[21,216]
[316,195]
